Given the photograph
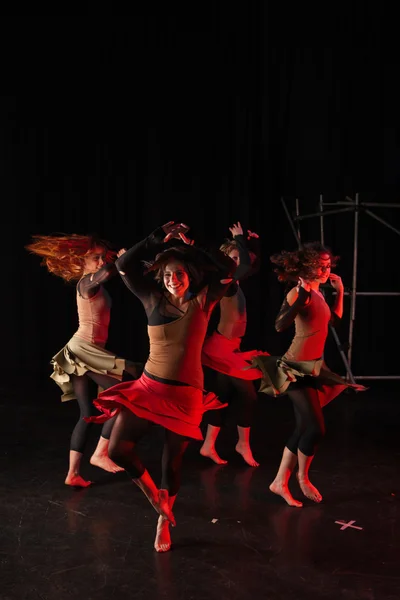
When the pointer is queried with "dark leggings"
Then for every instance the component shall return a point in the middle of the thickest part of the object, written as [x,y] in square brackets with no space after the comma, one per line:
[239,393]
[81,385]
[310,425]
[127,431]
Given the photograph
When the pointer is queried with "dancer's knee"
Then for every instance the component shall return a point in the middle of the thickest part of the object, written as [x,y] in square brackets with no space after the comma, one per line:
[311,438]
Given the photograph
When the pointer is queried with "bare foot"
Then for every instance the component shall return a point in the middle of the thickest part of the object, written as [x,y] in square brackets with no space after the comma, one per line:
[245,451]
[308,489]
[104,462]
[161,505]
[281,489]
[210,452]
[76,481]
[162,542]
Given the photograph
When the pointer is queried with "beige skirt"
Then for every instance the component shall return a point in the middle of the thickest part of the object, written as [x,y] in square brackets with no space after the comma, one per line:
[80,356]
[280,375]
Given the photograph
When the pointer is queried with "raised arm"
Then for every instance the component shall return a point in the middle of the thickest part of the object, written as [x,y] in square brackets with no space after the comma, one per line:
[254,246]
[244,265]
[130,266]
[218,268]
[221,278]
[219,274]
[249,254]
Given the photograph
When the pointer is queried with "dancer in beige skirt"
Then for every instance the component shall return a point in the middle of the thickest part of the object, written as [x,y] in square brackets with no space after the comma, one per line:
[89,262]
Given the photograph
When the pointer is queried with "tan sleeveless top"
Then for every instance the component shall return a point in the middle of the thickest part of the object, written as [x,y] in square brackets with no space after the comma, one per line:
[175,348]
[233,320]
[311,325]
[94,317]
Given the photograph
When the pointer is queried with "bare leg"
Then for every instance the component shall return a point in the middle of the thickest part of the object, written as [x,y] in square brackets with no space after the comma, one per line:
[158,498]
[101,459]
[100,456]
[162,542]
[73,478]
[127,431]
[310,428]
[208,447]
[243,446]
[81,430]
[306,486]
[174,449]
[280,484]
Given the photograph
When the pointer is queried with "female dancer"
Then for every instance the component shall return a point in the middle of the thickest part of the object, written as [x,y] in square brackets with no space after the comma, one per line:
[316,385]
[88,261]
[224,362]
[178,304]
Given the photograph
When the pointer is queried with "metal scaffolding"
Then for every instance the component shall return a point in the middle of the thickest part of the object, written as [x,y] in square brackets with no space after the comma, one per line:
[346,206]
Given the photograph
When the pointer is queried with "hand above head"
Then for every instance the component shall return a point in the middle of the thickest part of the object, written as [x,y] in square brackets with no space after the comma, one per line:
[252,234]
[336,282]
[173,230]
[185,239]
[236,229]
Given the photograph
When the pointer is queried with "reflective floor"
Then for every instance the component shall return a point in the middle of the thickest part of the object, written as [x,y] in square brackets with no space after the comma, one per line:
[234,539]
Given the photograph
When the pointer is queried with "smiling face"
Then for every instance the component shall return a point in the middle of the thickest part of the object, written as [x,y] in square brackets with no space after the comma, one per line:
[176,279]
[94,260]
[324,268]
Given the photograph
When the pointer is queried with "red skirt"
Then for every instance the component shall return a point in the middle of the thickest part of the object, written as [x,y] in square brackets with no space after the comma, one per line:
[179,408]
[224,355]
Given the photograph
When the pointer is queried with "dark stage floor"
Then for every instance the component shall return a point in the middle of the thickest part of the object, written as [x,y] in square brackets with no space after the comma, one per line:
[234,539]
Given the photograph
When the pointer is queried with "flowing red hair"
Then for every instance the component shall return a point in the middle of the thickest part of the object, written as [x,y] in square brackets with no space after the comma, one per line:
[64,255]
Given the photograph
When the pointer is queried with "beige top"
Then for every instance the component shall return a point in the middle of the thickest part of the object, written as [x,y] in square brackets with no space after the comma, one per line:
[233,320]
[94,317]
[311,325]
[175,347]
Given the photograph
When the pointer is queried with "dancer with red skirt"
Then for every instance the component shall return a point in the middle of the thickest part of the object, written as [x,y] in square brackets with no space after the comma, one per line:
[226,367]
[178,300]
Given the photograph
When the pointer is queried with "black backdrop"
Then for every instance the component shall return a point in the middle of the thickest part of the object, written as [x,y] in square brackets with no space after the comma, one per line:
[118,124]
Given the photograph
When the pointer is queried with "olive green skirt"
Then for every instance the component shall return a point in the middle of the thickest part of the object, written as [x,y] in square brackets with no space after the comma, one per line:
[80,356]
[280,375]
